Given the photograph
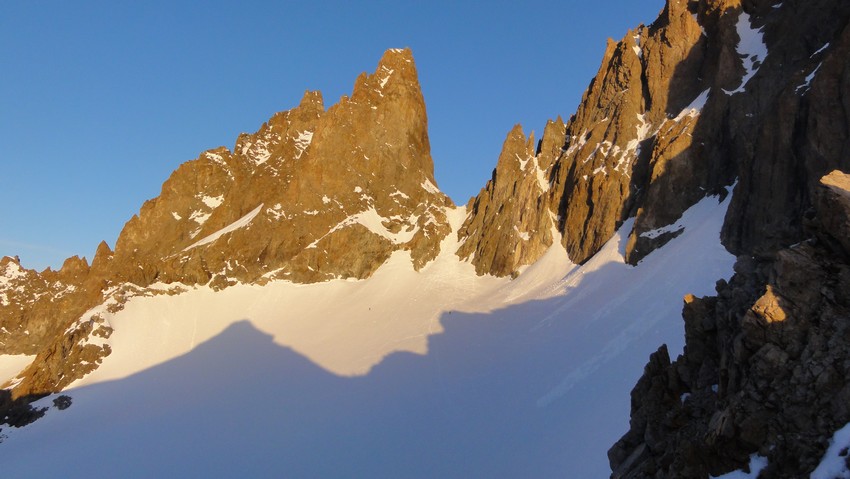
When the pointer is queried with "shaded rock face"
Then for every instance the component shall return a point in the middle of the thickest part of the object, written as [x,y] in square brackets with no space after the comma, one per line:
[766,367]
[765,360]
[793,128]
[314,194]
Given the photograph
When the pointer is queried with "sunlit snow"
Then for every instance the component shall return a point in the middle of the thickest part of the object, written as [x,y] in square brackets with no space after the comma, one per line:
[374,222]
[11,273]
[215,157]
[302,142]
[430,187]
[213,201]
[695,107]
[12,364]
[386,78]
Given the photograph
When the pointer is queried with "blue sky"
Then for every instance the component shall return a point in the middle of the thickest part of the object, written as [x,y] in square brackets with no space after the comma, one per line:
[101,100]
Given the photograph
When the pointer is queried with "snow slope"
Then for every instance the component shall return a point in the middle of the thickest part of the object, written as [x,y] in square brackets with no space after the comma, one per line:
[439,373]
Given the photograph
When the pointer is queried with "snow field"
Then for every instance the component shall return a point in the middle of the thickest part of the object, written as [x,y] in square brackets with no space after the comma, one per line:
[437,373]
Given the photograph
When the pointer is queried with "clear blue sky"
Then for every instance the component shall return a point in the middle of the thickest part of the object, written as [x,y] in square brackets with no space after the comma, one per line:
[101,100]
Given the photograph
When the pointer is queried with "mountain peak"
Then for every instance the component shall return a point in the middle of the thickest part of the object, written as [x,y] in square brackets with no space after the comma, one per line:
[395,76]
[306,170]
[312,98]
[396,56]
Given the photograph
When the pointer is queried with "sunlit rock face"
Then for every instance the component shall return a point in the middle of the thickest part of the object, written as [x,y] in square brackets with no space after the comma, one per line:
[509,224]
[314,194]
[713,93]
[627,151]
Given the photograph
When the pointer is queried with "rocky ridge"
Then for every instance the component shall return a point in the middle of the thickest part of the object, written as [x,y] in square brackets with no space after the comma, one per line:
[314,194]
[627,151]
[711,92]
[513,205]
[714,92]
[311,196]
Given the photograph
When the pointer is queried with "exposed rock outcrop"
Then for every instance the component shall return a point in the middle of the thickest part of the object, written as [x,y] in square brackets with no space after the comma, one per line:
[711,91]
[509,223]
[31,302]
[765,368]
[792,128]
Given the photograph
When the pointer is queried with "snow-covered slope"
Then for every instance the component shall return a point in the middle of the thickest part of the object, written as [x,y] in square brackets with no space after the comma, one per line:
[436,373]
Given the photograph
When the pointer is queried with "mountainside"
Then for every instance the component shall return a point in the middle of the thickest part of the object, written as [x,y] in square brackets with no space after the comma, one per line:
[627,151]
[711,93]
[313,195]
[762,376]
[710,134]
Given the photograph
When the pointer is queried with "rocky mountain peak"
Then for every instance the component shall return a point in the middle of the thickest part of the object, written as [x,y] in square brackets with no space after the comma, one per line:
[599,167]
[508,224]
[713,93]
[344,171]
[395,74]
[312,99]
[102,258]
[314,194]
[662,125]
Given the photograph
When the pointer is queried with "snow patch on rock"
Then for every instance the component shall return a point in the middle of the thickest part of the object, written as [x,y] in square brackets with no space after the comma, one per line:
[240,223]
[751,48]
[833,465]
[302,142]
[757,463]
[430,187]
